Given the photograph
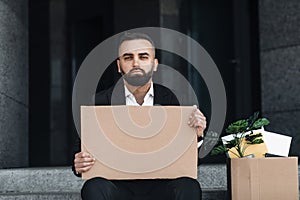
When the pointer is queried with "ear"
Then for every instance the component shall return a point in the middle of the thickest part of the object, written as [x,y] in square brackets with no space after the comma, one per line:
[155,64]
[119,67]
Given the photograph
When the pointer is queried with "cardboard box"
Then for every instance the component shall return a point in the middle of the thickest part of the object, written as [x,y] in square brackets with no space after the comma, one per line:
[139,142]
[273,178]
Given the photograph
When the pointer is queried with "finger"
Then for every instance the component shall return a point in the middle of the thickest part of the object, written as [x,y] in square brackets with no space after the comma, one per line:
[82,160]
[84,164]
[199,117]
[200,124]
[197,121]
[195,110]
[86,154]
[82,170]
[198,112]
[192,122]
[192,119]
[83,155]
[200,131]
[80,155]
[196,115]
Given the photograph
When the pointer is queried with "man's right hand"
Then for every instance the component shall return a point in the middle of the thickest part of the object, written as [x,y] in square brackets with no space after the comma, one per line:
[83,162]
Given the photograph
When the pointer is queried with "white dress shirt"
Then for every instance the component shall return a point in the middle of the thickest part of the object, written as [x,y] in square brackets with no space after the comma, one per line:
[148,99]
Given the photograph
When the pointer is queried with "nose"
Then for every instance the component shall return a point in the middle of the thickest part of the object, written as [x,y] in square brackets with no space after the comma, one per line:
[135,62]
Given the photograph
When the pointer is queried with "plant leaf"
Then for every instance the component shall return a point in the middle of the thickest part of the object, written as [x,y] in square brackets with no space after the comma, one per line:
[252,119]
[251,137]
[242,126]
[254,138]
[257,141]
[259,123]
[237,127]
[219,150]
[232,143]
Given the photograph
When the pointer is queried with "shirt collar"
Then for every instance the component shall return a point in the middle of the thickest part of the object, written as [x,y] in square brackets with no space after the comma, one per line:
[149,93]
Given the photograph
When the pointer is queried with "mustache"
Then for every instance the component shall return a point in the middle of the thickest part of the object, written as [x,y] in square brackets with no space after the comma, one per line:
[137,69]
[132,70]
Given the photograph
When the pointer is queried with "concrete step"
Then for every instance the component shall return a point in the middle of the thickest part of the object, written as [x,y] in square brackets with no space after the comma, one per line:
[60,183]
[39,196]
[39,183]
[207,195]
[39,180]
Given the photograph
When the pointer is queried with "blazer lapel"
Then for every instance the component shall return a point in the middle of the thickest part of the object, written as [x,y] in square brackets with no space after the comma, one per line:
[164,96]
[118,95]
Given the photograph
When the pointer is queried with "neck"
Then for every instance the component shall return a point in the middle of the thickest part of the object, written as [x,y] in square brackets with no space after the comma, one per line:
[138,89]
[139,92]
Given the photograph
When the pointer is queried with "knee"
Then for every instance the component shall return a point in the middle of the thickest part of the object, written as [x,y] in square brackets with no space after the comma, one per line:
[187,186]
[97,187]
[189,183]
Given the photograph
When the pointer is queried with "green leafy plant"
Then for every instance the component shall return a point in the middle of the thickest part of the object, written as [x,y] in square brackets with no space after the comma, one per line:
[238,130]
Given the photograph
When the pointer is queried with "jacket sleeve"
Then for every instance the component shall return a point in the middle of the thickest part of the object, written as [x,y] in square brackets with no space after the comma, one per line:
[76,149]
[101,98]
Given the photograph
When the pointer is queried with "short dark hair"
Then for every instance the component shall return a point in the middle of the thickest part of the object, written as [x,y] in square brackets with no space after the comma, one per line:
[135,36]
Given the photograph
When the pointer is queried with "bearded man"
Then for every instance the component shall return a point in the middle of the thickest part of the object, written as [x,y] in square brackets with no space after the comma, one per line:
[137,63]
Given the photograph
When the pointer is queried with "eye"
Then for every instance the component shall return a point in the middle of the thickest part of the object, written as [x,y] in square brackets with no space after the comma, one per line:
[127,58]
[144,57]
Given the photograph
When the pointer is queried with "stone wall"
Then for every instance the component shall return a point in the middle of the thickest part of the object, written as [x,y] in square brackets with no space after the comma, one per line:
[13,83]
[279,25]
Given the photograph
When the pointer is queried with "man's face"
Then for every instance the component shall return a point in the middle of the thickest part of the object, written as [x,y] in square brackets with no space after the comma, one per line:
[137,61]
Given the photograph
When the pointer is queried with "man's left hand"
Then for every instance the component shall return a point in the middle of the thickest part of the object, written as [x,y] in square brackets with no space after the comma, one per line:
[198,121]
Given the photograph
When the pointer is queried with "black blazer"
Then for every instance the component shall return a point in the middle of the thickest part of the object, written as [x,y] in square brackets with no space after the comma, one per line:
[116,96]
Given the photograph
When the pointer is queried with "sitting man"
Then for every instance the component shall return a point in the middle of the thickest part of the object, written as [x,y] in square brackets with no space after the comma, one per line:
[136,63]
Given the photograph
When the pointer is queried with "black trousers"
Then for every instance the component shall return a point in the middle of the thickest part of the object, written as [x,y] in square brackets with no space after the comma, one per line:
[155,189]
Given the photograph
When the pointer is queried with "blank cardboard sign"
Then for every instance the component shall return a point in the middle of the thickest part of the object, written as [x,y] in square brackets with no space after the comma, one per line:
[139,142]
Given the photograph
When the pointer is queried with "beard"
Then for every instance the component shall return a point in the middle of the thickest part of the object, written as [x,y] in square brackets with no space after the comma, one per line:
[137,79]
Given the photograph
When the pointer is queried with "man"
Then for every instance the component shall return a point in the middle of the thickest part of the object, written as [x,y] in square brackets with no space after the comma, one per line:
[137,63]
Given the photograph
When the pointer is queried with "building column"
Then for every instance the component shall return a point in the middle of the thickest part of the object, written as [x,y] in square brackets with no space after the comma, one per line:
[279,23]
[13,83]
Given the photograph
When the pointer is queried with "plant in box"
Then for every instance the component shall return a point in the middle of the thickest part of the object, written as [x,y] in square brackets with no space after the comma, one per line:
[243,136]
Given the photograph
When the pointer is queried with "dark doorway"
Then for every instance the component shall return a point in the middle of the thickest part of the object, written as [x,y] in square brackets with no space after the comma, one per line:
[62,33]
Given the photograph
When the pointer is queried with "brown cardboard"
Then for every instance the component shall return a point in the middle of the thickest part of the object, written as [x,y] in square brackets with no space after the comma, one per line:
[264,178]
[139,142]
[259,150]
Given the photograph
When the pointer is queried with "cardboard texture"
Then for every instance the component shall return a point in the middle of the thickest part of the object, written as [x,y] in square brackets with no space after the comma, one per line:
[258,150]
[263,178]
[139,142]
[274,143]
